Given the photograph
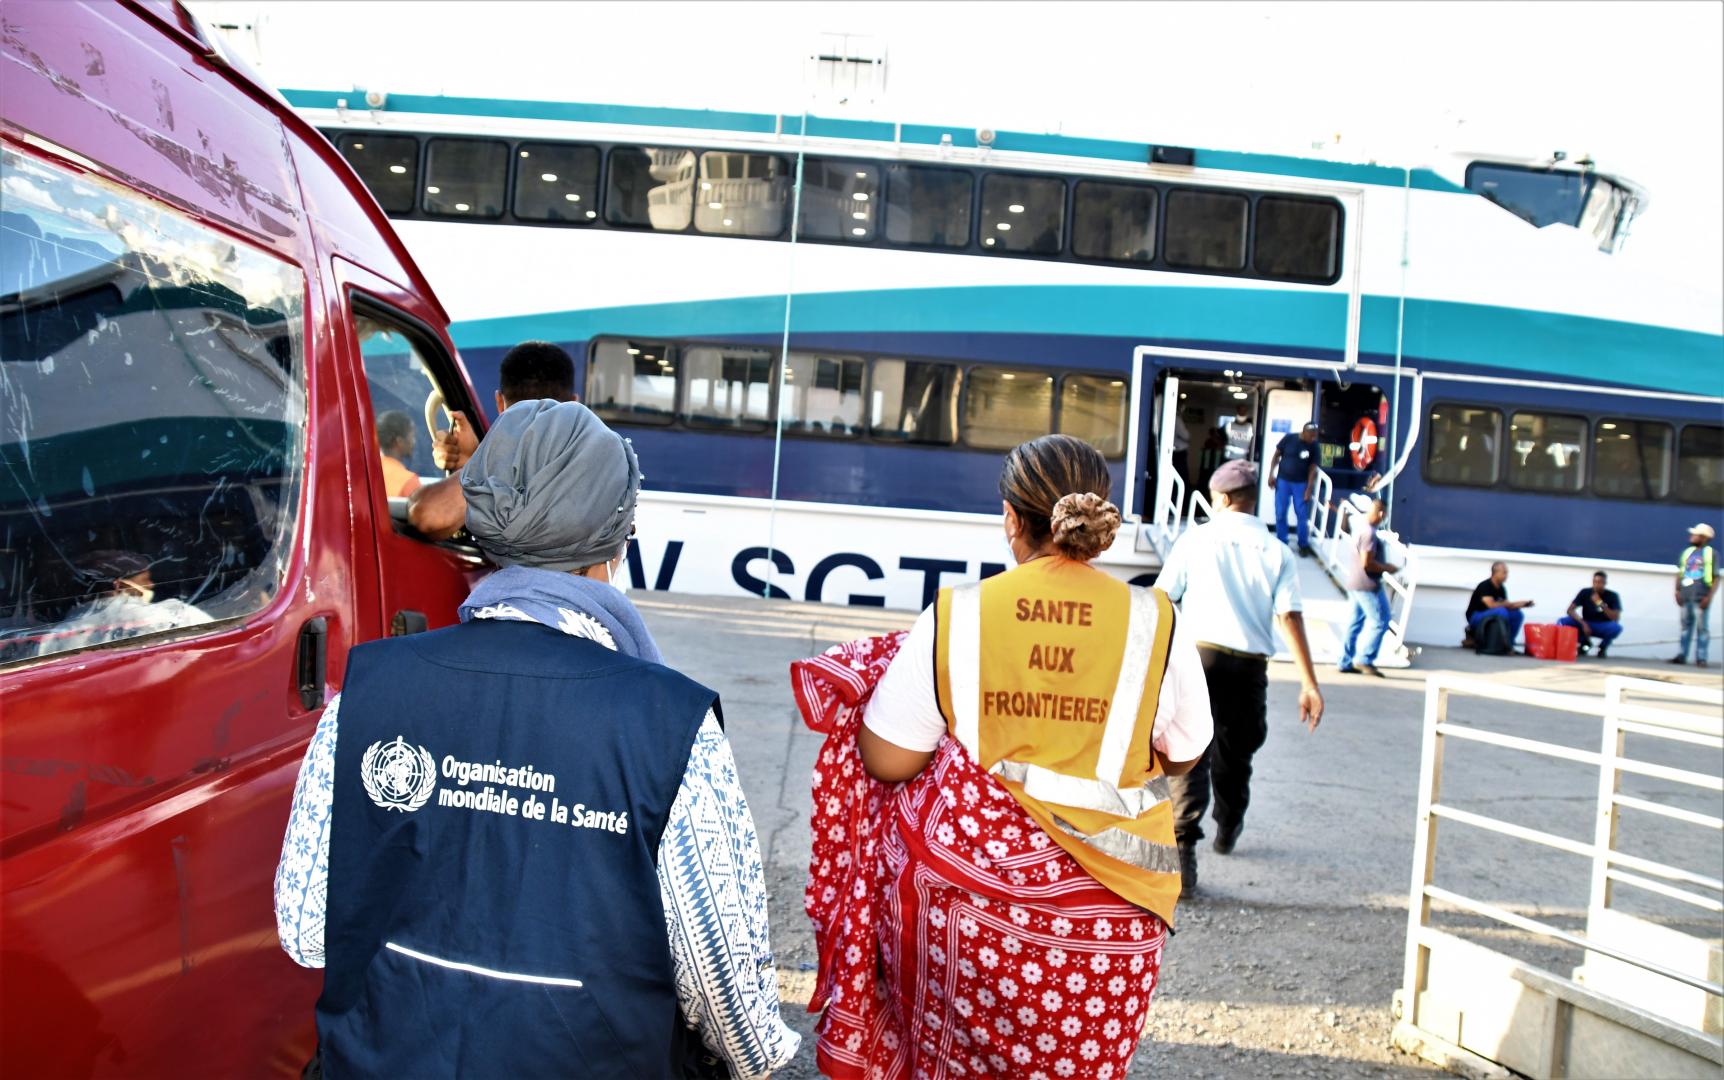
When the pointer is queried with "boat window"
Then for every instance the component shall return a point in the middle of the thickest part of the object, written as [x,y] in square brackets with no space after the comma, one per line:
[742,194]
[1462,445]
[466,177]
[1546,452]
[928,207]
[1022,214]
[651,188]
[1297,239]
[556,182]
[1700,465]
[914,401]
[1004,408]
[840,200]
[1115,222]
[1206,230]
[632,382]
[153,443]
[822,395]
[1092,408]
[727,387]
[389,166]
[1539,196]
[1631,459]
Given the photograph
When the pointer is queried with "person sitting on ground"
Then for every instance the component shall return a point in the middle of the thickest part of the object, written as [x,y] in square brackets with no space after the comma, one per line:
[1362,575]
[531,371]
[1596,613]
[1697,583]
[395,439]
[527,853]
[1029,721]
[1490,601]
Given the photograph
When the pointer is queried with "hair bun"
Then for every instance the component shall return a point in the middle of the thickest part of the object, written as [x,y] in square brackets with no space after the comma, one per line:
[1084,525]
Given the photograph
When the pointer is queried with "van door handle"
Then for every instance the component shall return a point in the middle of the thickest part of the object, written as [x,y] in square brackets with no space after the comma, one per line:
[313,661]
[408,622]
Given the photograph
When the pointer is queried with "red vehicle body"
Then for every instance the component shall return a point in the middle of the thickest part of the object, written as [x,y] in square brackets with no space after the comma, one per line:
[147,777]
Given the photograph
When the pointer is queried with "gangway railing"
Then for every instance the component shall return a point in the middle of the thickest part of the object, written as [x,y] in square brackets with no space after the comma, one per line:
[1167,518]
[1461,1001]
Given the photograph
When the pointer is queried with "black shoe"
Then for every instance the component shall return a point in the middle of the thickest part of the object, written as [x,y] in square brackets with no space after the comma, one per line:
[1307,551]
[1584,649]
[1371,669]
[1701,663]
[1603,651]
[1187,871]
[1348,670]
[1680,659]
[1226,838]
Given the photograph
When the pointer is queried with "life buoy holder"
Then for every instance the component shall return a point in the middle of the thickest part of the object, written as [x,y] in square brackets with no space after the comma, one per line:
[1362,446]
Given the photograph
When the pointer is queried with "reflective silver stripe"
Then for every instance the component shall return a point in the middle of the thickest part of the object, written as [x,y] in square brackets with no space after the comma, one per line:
[474,969]
[1128,693]
[1128,848]
[1081,794]
[964,666]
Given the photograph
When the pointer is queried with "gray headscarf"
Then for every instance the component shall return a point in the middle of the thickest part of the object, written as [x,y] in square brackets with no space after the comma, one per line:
[551,486]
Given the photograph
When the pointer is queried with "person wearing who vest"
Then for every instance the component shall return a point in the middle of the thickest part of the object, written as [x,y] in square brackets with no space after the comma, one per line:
[1696,584]
[1034,718]
[527,854]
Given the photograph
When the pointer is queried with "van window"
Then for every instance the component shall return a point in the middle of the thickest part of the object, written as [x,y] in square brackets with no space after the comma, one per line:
[914,401]
[1631,459]
[840,200]
[1092,408]
[1004,408]
[1023,213]
[822,395]
[1462,445]
[1297,239]
[1700,465]
[557,182]
[388,165]
[153,435]
[403,388]
[466,178]
[742,194]
[1546,452]
[1206,230]
[632,381]
[728,388]
[927,207]
[1115,222]
[651,188]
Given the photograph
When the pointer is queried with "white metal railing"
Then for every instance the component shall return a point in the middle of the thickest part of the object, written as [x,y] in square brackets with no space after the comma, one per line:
[1166,519]
[1609,866]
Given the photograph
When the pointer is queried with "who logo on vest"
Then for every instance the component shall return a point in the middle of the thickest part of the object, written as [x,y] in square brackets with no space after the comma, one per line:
[398,775]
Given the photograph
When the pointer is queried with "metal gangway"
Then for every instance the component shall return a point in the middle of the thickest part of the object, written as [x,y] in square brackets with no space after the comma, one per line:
[1646,1001]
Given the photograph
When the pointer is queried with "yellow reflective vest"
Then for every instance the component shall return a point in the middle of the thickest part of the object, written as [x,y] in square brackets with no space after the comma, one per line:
[1049,675]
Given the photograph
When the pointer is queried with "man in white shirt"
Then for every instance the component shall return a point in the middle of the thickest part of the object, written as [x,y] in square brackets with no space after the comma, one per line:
[1233,581]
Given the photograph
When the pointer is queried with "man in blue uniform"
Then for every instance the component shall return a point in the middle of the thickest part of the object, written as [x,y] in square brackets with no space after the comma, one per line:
[527,853]
[1294,468]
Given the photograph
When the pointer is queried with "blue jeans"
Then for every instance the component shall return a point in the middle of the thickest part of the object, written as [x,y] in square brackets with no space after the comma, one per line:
[1514,617]
[1606,632]
[1694,626]
[1369,608]
[1290,493]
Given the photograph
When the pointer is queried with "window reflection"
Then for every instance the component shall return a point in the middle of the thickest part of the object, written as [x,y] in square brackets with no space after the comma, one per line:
[1115,222]
[742,194]
[840,200]
[927,207]
[822,395]
[557,182]
[914,401]
[1004,408]
[1700,474]
[466,177]
[1206,230]
[388,165]
[632,381]
[1546,453]
[1631,458]
[725,387]
[1022,214]
[1092,408]
[1298,239]
[1463,445]
[651,188]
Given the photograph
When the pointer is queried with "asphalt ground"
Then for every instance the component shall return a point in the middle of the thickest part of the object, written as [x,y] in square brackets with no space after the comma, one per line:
[1286,962]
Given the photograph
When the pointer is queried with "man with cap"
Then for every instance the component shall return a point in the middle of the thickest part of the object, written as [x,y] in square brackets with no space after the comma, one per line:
[1294,469]
[1233,583]
[528,853]
[1696,584]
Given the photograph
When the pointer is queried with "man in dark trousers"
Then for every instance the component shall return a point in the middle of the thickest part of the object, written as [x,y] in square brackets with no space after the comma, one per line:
[1294,469]
[1596,613]
[1233,583]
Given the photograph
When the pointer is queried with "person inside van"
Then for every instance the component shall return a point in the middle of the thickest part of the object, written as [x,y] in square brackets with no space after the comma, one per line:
[395,440]
[518,845]
[531,371]
[124,604]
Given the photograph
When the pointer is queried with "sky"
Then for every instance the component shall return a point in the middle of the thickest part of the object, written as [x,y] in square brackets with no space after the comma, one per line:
[1637,86]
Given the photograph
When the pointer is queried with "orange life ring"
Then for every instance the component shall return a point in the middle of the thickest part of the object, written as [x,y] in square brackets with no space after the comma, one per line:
[1363,444]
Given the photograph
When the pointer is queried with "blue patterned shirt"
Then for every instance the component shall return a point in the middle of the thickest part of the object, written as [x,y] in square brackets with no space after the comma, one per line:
[710,877]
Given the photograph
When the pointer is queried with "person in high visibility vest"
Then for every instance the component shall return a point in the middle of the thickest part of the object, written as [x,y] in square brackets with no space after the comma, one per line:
[1036,717]
[1696,584]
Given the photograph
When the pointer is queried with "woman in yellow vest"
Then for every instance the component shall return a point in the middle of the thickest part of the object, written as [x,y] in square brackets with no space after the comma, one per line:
[1030,862]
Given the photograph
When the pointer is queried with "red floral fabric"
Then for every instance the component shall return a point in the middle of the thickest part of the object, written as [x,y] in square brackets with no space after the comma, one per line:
[955,938]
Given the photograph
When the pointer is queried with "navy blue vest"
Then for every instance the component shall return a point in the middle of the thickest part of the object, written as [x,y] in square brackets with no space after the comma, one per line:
[494,909]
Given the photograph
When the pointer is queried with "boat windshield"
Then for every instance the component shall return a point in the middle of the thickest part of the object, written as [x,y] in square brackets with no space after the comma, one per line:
[1599,205]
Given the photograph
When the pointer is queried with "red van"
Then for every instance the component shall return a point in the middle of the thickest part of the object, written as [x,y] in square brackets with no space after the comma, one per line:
[205,321]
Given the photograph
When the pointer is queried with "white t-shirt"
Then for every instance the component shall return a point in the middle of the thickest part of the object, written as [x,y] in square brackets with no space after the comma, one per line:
[905,708]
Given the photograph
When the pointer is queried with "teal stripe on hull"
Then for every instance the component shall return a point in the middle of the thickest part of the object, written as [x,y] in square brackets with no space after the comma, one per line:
[1531,342]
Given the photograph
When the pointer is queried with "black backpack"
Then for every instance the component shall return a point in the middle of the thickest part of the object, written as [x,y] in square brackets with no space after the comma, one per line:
[1491,638]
